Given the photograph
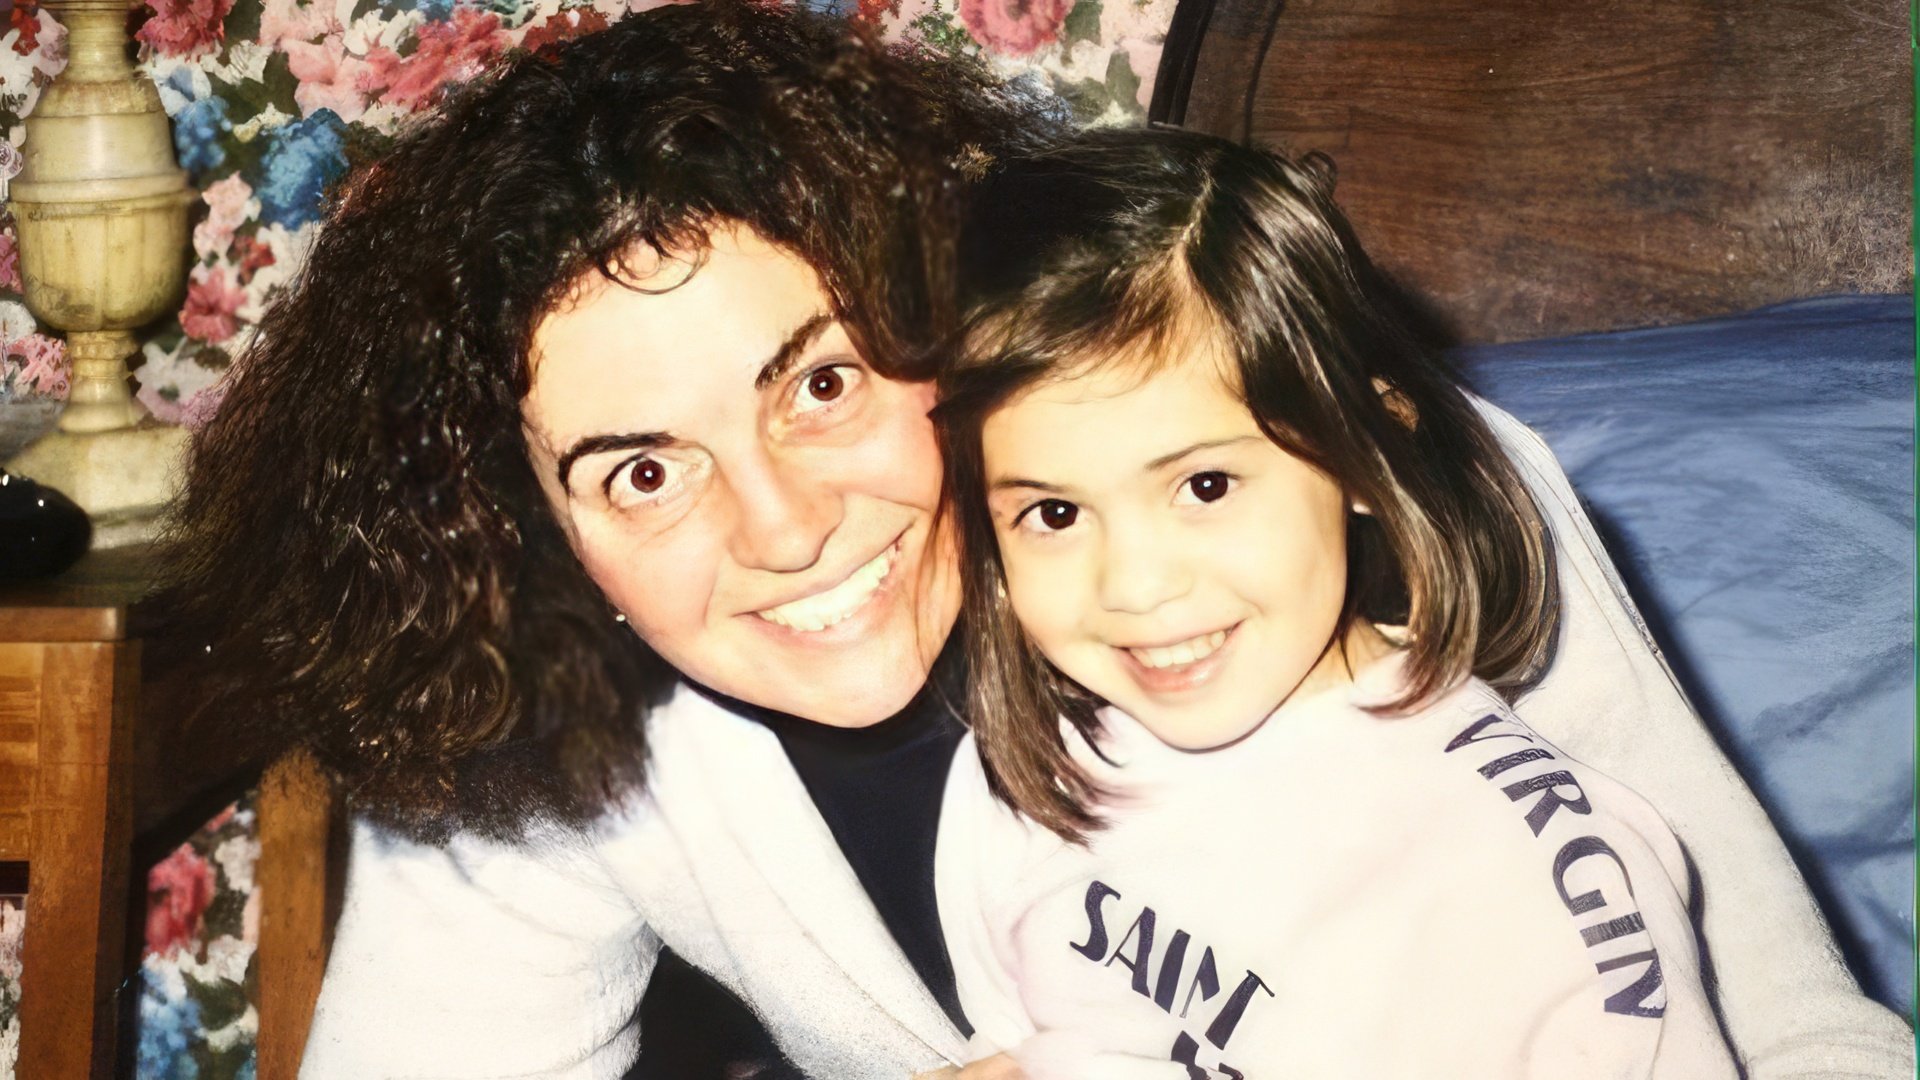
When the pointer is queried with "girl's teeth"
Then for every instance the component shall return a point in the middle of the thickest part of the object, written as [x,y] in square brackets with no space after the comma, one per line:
[821,610]
[1184,652]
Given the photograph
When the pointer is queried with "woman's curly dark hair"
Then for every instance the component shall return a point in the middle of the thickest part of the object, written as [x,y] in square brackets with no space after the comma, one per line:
[362,553]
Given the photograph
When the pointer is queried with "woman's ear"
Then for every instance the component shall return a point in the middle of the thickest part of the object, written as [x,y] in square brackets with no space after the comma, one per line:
[1397,404]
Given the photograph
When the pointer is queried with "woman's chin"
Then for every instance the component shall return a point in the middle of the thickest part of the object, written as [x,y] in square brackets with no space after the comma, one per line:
[855,682]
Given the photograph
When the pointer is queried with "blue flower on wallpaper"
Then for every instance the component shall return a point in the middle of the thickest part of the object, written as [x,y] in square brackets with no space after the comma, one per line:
[832,7]
[180,82]
[196,134]
[303,158]
[433,10]
[167,1027]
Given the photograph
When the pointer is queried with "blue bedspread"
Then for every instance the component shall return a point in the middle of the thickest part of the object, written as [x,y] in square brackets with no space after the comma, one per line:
[1754,479]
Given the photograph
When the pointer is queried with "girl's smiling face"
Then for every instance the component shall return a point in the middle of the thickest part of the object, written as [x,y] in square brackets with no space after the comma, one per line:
[1162,551]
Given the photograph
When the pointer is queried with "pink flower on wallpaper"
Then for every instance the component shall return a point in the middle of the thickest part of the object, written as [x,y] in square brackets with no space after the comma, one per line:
[560,26]
[898,22]
[230,204]
[43,364]
[211,303]
[25,17]
[9,261]
[330,77]
[286,21]
[1143,57]
[200,408]
[186,28]
[1015,27]
[447,51]
[249,257]
[179,889]
[250,919]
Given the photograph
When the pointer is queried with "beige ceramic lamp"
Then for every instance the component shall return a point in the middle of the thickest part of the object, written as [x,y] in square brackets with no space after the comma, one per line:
[101,209]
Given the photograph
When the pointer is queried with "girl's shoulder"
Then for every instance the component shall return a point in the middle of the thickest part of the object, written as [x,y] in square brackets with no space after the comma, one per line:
[970,812]
[1493,785]
[987,855]
[1465,763]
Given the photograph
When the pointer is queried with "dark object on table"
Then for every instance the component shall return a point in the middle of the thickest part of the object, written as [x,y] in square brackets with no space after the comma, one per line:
[42,532]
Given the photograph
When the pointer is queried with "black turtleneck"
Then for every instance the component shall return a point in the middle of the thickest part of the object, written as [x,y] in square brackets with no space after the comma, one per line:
[879,790]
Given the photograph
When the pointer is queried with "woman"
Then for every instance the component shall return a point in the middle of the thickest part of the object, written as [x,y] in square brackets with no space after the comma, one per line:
[603,398]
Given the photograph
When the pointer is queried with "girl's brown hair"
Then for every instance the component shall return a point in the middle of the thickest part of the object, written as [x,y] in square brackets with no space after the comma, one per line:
[1117,245]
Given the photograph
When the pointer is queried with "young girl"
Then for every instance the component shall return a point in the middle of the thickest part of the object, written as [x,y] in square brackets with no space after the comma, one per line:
[1248,581]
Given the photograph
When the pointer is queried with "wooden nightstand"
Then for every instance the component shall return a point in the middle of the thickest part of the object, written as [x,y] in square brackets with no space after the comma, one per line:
[94,764]
[68,676]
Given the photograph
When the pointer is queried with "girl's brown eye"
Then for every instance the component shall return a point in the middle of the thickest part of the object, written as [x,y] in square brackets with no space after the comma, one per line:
[1056,515]
[1208,486]
[647,476]
[825,384]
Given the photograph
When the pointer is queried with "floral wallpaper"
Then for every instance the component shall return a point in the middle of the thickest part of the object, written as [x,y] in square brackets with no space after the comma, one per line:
[195,1019]
[13,925]
[270,100]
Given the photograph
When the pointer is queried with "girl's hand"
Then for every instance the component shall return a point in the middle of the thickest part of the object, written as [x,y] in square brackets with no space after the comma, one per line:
[997,1067]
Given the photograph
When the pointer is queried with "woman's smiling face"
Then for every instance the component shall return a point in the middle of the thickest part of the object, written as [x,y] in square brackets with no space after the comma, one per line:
[756,500]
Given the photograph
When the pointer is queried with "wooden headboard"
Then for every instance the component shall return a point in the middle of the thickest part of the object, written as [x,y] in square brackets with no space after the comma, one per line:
[1535,167]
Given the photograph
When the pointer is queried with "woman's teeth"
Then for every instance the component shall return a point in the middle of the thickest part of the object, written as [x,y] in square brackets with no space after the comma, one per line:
[821,610]
[1185,652]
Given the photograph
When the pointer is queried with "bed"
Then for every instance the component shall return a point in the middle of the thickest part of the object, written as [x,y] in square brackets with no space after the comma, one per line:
[1753,476]
[1545,179]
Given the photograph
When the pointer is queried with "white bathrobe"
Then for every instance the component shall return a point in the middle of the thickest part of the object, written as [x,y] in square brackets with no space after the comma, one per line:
[480,960]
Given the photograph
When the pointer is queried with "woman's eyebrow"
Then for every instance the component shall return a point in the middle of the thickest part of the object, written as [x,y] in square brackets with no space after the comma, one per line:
[790,349]
[796,342]
[600,444]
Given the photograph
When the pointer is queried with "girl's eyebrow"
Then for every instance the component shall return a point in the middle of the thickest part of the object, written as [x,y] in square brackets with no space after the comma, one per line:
[1008,483]
[1214,444]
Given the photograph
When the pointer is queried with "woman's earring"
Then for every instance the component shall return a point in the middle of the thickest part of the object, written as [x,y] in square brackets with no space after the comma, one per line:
[1362,508]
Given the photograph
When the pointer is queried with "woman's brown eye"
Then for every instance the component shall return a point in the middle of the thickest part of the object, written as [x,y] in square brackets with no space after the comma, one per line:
[648,475]
[825,384]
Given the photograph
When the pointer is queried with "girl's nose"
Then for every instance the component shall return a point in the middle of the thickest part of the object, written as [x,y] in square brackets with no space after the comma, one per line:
[1141,569]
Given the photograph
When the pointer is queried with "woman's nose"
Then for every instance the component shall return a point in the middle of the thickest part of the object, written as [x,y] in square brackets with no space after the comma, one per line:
[785,514]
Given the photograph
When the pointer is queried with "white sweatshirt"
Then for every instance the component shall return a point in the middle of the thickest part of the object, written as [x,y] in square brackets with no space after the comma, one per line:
[1338,895]
[484,960]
